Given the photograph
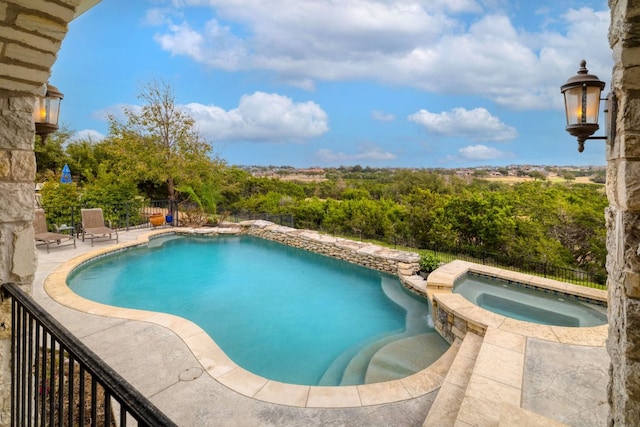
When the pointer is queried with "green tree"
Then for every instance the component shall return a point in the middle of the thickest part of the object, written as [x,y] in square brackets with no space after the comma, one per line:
[60,202]
[84,157]
[51,156]
[159,143]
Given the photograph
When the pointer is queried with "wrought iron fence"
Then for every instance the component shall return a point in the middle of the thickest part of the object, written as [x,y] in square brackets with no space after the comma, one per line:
[596,277]
[123,216]
[481,256]
[57,381]
[136,214]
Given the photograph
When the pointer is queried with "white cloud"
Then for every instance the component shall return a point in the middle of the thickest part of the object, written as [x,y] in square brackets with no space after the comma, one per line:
[381,116]
[216,46]
[366,152]
[477,124]
[87,134]
[447,47]
[479,153]
[261,117]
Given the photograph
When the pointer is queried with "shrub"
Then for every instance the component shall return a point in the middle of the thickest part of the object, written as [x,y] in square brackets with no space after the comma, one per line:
[428,262]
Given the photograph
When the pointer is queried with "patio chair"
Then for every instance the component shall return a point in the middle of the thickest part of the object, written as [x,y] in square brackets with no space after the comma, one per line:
[43,235]
[94,226]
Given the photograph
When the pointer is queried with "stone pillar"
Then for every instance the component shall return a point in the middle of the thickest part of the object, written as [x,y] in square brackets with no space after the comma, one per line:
[623,218]
[17,255]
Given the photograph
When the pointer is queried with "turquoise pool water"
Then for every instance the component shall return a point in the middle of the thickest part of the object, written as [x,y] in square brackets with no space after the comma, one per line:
[279,312]
[517,301]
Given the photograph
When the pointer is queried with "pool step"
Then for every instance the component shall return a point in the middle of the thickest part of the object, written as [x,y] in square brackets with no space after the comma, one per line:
[444,411]
[351,366]
[405,357]
[356,370]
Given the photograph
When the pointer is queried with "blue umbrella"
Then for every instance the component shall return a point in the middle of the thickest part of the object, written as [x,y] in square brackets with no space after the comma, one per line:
[66,175]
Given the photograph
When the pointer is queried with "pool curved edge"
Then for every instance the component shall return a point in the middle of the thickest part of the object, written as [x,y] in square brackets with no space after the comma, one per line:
[222,369]
[476,319]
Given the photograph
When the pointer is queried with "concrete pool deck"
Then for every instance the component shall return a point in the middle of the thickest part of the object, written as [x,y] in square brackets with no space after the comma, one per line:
[194,383]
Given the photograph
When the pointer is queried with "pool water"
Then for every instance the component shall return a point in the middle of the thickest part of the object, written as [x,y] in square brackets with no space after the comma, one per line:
[277,311]
[520,302]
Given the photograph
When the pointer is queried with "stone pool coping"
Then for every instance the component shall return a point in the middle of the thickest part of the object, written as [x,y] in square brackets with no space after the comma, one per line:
[463,316]
[221,368]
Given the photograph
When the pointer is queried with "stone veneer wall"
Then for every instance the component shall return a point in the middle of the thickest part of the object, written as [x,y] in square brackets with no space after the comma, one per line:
[390,261]
[17,253]
[451,326]
[623,218]
[31,33]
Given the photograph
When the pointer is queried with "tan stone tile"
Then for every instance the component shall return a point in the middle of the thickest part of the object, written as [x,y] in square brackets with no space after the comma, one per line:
[505,339]
[458,423]
[385,392]
[445,408]
[500,364]
[479,412]
[284,394]
[183,327]
[441,366]
[511,415]
[244,382]
[333,397]
[534,330]
[211,357]
[422,383]
[594,337]
[471,345]
[460,371]
[478,315]
[491,390]
[452,302]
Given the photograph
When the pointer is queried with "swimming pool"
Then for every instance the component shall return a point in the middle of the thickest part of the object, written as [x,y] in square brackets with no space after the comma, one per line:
[279,312]
[522,302]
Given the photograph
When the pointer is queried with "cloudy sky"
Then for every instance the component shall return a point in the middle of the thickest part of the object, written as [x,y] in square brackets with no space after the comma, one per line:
[398,83]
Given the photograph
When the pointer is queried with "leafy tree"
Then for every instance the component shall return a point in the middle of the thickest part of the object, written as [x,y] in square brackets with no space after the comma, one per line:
[84,157]
[118,198]
[51,156]
[537,175]
[168,150]
[60,202]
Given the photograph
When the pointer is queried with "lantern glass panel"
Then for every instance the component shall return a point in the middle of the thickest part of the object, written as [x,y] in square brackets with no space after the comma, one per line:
[593,104]
[573,105]
[53,109]
[39,110]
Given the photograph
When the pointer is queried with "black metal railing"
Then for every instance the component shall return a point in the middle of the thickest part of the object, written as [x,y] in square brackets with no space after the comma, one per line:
[478,255]
[122,216]
[592,276]
[57,381]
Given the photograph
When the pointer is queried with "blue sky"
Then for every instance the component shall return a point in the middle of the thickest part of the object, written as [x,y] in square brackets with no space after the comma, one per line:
[402,83]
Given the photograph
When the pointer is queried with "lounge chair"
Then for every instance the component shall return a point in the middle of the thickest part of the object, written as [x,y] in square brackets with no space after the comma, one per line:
[94,227]
[43,235]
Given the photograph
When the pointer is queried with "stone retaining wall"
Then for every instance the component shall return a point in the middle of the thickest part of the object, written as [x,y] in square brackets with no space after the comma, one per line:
[400,263]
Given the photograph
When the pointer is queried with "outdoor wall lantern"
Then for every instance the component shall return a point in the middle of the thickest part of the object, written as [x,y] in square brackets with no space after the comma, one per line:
[582,105]
[46,111]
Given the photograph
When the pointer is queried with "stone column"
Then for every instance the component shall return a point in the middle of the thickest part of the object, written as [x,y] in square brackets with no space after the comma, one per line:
[623,218]
[17,255]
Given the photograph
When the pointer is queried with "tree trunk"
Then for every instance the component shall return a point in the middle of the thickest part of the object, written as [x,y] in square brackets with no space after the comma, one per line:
[172,193]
